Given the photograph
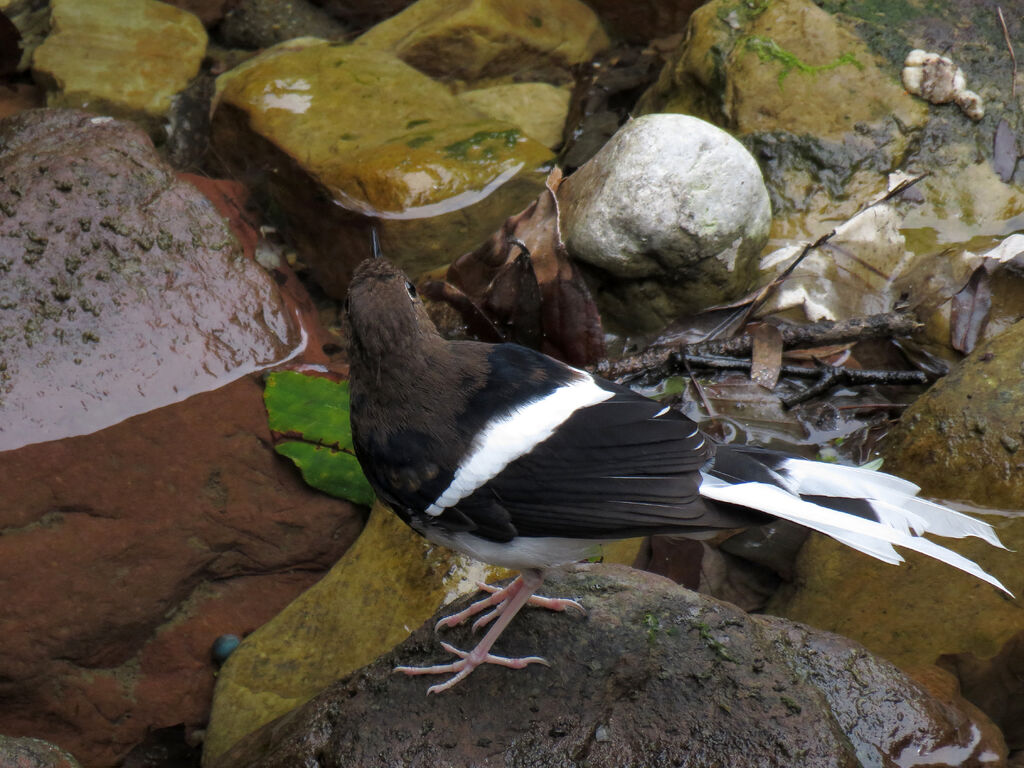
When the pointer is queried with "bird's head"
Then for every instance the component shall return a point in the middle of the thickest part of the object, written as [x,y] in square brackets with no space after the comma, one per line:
[384,312]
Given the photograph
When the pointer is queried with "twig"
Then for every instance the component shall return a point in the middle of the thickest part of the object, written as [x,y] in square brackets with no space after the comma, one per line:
[740,317]
[827,376]
[1009,45]
[661,362]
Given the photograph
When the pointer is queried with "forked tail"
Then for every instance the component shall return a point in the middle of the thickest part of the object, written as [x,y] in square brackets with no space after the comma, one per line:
[867,510]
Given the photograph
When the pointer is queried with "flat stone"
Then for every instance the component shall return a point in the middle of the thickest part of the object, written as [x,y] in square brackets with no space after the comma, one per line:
[435,175]
[125,58]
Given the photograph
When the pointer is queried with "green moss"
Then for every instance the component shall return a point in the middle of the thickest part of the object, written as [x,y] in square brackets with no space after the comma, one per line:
[418,141]
[768,50]
[482,145]
[705,635]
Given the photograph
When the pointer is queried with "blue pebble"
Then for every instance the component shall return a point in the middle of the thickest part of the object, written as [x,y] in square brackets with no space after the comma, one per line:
[223,647]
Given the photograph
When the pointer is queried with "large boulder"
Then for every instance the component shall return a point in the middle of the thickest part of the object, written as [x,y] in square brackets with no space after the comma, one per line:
[144,513]
[345,137]
[655,675]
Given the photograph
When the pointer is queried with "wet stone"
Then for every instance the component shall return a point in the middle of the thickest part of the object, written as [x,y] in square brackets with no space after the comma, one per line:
[654,675]
[123,288]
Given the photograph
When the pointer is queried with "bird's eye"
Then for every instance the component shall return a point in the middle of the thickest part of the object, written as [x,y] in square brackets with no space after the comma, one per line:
[411,289]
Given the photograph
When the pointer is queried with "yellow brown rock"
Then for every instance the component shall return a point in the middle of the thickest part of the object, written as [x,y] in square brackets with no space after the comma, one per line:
[125,58]
[350,134]
[479,39]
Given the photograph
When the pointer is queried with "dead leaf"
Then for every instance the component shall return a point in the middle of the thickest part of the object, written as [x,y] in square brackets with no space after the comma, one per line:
[969,311]
[522,284]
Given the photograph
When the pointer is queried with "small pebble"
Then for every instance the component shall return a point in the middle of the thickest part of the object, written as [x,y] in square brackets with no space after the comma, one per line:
[223,646]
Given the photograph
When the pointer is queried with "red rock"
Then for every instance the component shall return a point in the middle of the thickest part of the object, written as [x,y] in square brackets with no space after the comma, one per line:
[123,290]
[125,553]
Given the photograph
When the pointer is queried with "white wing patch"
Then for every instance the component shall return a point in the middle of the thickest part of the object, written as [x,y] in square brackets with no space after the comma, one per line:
[507,438]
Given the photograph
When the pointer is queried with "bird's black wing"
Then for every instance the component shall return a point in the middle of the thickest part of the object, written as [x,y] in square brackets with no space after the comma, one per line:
[624,466]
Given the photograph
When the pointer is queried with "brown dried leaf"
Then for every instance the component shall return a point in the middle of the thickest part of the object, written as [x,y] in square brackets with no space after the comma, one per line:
[969,311]
[523,283]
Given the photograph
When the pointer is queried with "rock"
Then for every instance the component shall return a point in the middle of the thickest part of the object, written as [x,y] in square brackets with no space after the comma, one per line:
[672,207]
[813,90]
[93,220]
[133,319]
[995,685]
[789,67]
[958,442]
[643,22]
[390,581]
[263,23]
[654,675]
[18,97]
[474,40]
[124,554]
[436,177]
[537,109]
[32,20]
[125,58]
[33,753]
[964,438]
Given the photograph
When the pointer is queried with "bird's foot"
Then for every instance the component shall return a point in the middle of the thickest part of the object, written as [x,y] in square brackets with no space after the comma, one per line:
[468,661]
[500,597]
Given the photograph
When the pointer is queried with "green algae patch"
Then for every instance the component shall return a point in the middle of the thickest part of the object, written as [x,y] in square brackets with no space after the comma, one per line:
[769,50]
[311,414]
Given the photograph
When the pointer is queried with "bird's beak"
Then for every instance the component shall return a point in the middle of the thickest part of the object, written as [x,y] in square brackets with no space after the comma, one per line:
[375,243]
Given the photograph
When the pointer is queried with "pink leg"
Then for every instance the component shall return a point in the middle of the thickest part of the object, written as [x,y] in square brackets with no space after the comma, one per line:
[499,597]
[517,594]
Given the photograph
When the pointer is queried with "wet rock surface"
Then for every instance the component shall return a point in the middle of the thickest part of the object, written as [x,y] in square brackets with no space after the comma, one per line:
[387,584]
[655,675]
[438,176]
[964,438]
[123,289]
[33,753]
[121,57]
[124,554]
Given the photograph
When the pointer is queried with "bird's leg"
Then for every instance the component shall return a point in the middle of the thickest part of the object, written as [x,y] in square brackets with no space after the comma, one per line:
[517,594]
[499,597]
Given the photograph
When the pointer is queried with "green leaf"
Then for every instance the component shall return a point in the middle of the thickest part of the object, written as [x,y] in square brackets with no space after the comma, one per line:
[312,415]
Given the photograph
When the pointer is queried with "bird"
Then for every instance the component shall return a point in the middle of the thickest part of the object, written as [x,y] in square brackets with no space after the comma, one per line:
[521,461]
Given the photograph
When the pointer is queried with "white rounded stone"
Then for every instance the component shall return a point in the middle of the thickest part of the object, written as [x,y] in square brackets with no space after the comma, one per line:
[667,194]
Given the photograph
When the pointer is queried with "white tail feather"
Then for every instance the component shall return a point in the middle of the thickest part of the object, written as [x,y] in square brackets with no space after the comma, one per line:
[868,536]
[893,498]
